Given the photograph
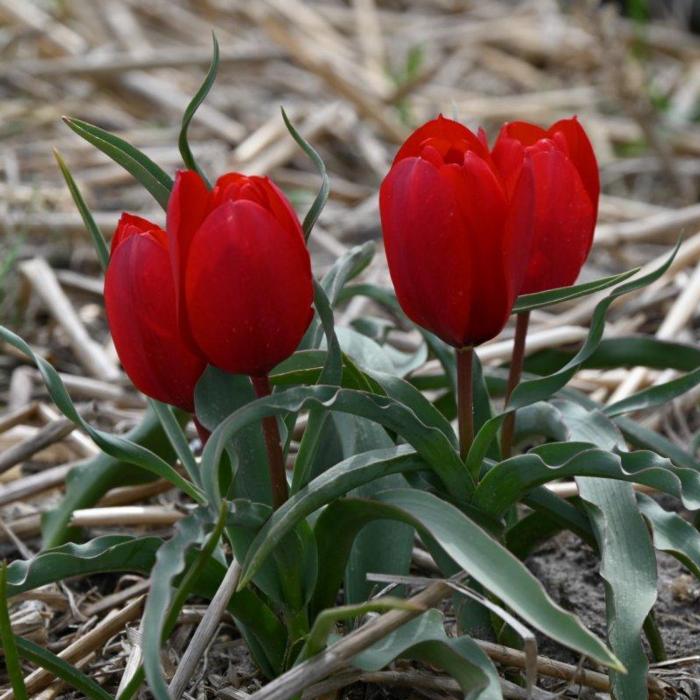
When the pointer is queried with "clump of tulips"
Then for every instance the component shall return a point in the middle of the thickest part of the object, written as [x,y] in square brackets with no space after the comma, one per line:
[322,459]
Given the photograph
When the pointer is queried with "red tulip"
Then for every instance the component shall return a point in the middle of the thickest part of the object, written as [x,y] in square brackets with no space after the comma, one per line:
[566,196]
[243,271]
[140,301]
[456,240]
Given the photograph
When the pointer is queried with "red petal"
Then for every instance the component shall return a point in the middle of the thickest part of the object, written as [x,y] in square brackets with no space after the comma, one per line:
[130,225]
[509,150]
[188,206]
[140,304]
[434,223]
[563,224]
[440,128]
[249,288]
[580,151]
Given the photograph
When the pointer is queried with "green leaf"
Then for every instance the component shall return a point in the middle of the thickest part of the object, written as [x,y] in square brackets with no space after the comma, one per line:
[654,396]
[61,669]
[503,485]
[178,439]
[14,669]
[527,302]
[628,568]
[322,196]
[491,565]
[433,446]
[216,396]
[347,266]
[117,447]
[331,484]
[114,553]
[671,533]
[193,106]
[425,639]
[460,538]
[155,180]
[326,621]
[93,229]
[542,388]
[305,467]
[110,553]
[170,561]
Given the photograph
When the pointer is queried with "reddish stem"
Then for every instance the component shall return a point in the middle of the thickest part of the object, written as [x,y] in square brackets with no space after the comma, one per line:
[465,400]
[516,370]
[275,458]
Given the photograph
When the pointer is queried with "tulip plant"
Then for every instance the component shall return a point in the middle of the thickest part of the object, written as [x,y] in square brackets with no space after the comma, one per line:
[325,453]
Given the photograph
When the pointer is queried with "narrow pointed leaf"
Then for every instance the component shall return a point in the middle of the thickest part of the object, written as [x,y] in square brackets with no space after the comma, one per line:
[155,180]
[527,302]
[93,229]
[322,196]
[193,106]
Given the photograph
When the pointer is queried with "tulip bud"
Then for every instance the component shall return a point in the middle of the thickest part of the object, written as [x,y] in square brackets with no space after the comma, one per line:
[567,188]
[243,271]
[140,302]
[457,241]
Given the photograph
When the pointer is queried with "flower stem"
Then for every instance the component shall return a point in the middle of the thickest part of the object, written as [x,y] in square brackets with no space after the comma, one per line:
[465,399]
[516,370]
[275,458]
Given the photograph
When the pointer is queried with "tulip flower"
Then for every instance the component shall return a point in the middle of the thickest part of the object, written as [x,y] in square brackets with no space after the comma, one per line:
[243,282]
[243,271]
[567,188]
[457,239]
[455,242]
[140,302]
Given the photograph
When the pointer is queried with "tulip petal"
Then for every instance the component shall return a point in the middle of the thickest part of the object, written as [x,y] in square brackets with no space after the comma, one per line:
[484,207]
[249,288]
[188,206]
[440,277]
[580,151]
[444,130]
[131,225]
[140,304]
[563,223]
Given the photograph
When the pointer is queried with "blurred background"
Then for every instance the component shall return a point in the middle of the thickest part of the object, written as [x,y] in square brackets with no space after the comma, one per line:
[355,77]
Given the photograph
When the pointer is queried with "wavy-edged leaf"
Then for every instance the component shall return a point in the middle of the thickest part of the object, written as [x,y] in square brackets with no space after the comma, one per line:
[115,553]
[155,180]
[93,229]
[322,196]
[527,302]
[671,533]
[432,445]
[505,483]
[61,669]
[425,639]
[655,396]
[628,567]
[118,447]
[193,106]
[9,648]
